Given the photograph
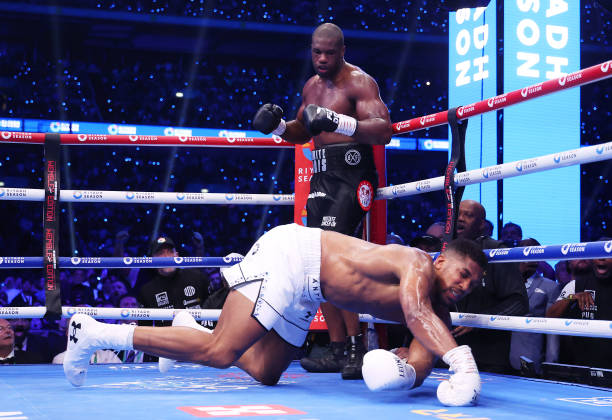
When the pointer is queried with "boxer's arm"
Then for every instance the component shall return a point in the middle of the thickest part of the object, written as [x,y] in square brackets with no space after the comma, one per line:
[416,282]
[296,132]
[373,121]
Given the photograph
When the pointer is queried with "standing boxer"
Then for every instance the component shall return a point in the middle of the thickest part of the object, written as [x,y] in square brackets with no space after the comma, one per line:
[342,109]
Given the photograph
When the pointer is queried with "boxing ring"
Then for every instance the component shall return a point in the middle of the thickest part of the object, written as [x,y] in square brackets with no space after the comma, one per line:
[138,390]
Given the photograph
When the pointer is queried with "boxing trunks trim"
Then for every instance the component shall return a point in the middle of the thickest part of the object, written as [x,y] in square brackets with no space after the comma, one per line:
[342,156]
[281,275]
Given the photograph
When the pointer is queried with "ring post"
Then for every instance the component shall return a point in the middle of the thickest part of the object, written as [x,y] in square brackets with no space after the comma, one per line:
[53,300]
[453,194]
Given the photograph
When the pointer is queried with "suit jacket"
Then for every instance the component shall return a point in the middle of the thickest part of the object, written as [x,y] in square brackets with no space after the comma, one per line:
[501,293]
[542,293]
[22,358]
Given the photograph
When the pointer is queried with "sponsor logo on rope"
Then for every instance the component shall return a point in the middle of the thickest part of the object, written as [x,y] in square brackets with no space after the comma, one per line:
[526,164]
[424,185]
[499,99]
[133,138]
[499,318]
[277,139]
[573,247]
[352,157]
[276,197]
[402,124]
[493,171]
[499,252]
[465,109]
[12,260]
[534,250]
[427,119]
[529,90]
[605,66]
[81,137]
[608,246]
[178,260]
[77,195]
[561,157]
[112,129]
[229,197]
[395,190]
[71,311]
[6,135]
[13,192]
[128,260]
[599,149]
[189,291]
[130,195]
[125,313]
[227,259]
[570,78]
[180,196]
[75,260]
[535,321]
[9,311]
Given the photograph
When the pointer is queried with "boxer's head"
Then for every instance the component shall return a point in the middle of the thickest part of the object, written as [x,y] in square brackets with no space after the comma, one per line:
[459,269]
[327,50]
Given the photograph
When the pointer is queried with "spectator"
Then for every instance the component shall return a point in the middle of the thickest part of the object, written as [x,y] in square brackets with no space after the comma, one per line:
[502,293]
[587,296]
[9,353]
[427,243]
[542,293]
[488,228]
[172,287]
[436,230]
[511,234]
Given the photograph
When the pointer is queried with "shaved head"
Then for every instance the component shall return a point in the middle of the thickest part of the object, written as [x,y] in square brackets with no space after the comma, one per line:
[470,221]
[329,31]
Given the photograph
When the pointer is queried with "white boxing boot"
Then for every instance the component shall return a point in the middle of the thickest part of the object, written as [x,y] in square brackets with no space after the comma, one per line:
[85,336]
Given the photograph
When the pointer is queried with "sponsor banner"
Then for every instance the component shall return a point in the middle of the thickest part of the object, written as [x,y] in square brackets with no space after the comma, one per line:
[541,56]
[473,88]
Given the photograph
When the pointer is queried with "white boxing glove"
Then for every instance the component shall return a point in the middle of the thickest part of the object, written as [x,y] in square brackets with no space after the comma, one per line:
[463,387]
[384,370]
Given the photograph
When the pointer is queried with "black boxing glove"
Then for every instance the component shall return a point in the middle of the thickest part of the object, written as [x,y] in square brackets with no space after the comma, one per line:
[269,119]
[318,119]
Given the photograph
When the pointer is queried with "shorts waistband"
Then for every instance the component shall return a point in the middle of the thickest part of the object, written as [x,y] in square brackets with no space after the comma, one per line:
[342,156]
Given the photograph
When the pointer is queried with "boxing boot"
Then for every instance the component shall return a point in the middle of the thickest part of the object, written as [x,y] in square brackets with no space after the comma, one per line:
[85,336]
[354,357]
[331,360]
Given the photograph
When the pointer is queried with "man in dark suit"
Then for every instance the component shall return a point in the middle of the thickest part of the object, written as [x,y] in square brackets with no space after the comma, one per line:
[502,292]
[8,354]
[542,293]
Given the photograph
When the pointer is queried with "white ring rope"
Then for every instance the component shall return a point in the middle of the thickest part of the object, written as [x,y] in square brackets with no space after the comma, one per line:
[144,197]
[506,170]
[577,327]
[583,155]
